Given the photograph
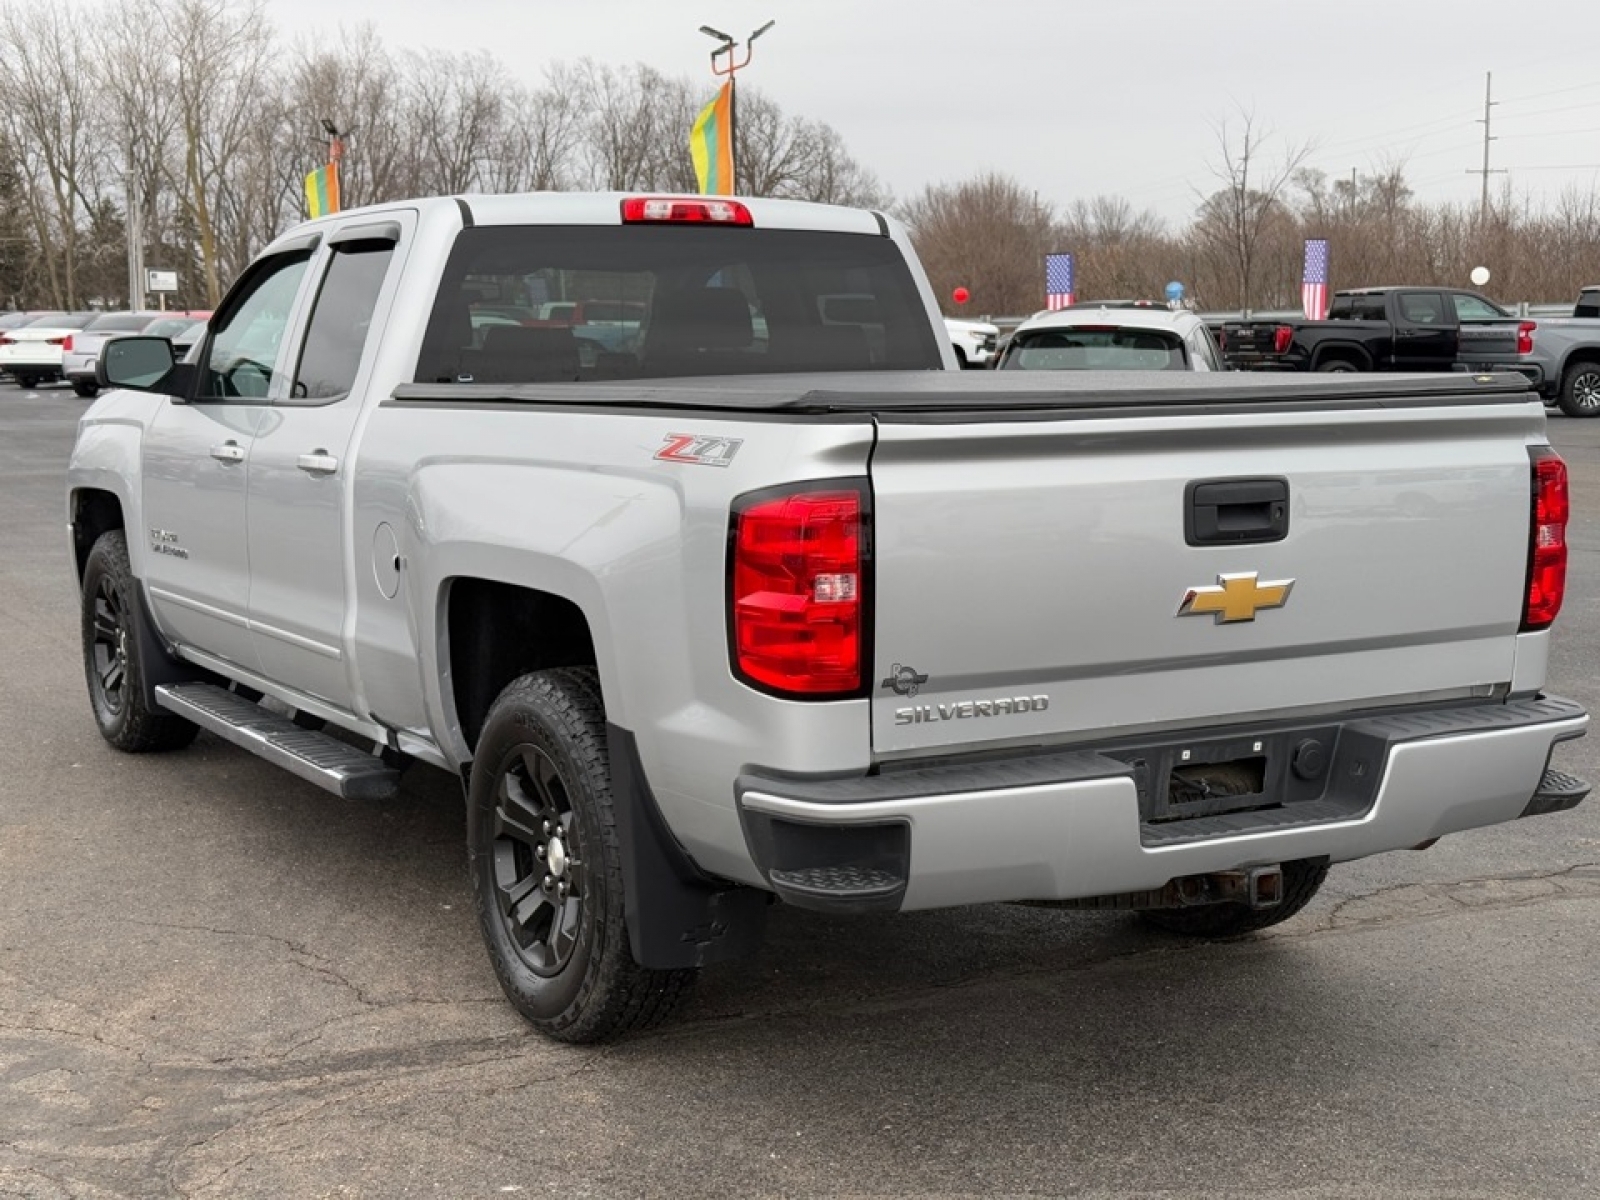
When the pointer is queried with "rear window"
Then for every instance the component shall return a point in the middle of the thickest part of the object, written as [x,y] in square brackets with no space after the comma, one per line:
[540,304]
[1357,308]
[1096,350]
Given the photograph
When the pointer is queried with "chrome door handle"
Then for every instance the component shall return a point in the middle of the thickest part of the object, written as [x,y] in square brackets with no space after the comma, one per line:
[318,462]
[228,452]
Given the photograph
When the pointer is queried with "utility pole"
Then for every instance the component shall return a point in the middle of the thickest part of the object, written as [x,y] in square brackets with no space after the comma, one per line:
[133,225]
[728,47]
[1485,172]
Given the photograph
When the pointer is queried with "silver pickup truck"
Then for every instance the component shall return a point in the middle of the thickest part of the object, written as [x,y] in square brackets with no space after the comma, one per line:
[1566,351]
[667,525]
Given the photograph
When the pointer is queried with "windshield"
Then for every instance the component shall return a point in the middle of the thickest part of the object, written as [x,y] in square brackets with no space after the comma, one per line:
[1096,349]
[170,327]
[542,304]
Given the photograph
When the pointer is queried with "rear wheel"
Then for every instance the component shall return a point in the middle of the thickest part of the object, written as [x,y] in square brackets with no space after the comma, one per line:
[85,389]
[111,656]
[1580,390]
[1301,881]
[1337,364]
[27,382]
[546,865]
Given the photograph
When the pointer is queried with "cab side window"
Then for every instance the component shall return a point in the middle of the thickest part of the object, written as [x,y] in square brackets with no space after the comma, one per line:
[1422,308]
[1470,308]
[341,321]
[244,343]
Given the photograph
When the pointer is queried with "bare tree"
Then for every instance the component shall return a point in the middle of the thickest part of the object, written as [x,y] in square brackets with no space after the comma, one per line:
[1233,218]
[222,48]
[1122,253]
[988,234]
[48,105]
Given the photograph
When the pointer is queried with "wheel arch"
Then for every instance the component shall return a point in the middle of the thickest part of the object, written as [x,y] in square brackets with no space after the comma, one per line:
[1343,352]
[496,631]
[1579,356]
[92,512]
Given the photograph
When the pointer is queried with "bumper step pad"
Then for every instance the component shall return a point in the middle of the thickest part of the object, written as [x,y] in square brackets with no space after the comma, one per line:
[1557,792]
[326,761]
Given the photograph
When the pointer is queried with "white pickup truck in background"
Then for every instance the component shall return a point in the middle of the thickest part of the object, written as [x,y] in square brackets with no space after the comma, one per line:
[743,594]
[974,341]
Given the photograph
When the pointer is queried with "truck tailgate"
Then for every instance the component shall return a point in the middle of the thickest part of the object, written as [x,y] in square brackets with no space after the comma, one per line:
[1032,573]
[1488,342]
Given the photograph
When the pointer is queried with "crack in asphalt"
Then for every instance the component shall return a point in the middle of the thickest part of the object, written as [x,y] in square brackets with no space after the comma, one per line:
[1448,891]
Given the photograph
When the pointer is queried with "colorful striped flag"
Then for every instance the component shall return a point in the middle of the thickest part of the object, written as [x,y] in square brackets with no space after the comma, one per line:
[1314,298]
[711,144]
[1059,289]
[322,190]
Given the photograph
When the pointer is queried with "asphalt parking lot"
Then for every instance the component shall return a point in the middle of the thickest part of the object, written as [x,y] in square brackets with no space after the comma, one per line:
[217,981]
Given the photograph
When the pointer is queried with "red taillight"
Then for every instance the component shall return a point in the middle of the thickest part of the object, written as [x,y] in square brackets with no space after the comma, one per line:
[1281,337]
[1525,337]
[5,341]
[675,210]
[66,344]
[1547,556]
[797,590]
[60,341]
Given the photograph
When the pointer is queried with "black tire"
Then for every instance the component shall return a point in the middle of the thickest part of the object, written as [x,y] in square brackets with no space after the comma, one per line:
[27,382]
[546,865]
[1301,880]
[1341,365]
[111,657]
[84,388]
[1580,390]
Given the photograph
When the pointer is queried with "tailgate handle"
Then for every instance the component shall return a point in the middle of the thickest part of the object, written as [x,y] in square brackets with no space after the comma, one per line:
[1235,512]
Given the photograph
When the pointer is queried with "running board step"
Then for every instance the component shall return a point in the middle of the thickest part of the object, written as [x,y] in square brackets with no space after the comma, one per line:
[325,761]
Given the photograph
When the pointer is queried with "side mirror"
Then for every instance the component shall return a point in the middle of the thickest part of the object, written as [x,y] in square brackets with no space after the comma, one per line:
[140,363]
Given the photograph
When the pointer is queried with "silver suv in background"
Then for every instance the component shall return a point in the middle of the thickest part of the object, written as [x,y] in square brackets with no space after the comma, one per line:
[81,350]
[1122,336]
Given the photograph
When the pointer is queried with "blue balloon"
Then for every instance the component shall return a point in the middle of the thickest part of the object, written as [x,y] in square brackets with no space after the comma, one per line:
[1174,291]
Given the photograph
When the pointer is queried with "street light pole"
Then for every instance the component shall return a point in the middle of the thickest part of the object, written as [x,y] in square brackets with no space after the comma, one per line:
[731,70]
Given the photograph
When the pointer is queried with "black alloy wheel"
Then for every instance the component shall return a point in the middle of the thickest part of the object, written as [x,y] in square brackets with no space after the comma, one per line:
[108,646]
[545,857]
[538,877]
[111,662]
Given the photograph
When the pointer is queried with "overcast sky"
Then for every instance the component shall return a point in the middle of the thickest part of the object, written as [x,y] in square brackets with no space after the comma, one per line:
[1077,98]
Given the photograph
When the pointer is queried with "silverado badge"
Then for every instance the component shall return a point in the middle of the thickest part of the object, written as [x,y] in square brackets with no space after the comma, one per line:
[1235,597]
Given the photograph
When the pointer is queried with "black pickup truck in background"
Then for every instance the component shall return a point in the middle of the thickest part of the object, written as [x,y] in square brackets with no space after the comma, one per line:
[1389,329]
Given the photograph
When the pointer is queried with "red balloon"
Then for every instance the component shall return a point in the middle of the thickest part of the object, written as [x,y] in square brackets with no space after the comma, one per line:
[961,295]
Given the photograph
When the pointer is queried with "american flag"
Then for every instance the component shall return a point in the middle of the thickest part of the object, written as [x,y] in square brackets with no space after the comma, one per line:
[1058,289]
[1314,291]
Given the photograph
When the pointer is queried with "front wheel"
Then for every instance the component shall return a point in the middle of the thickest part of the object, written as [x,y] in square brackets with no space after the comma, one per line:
[111,660]
[1301,881]
[546,865]
[1580,390]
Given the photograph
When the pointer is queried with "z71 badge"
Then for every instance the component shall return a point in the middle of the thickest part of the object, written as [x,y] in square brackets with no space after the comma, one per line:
[699,449]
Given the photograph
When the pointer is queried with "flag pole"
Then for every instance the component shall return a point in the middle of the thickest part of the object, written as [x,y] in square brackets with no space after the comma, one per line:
[731,70]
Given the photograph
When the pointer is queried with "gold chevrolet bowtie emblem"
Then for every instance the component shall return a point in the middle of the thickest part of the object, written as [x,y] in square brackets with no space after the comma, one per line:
[1235,597]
